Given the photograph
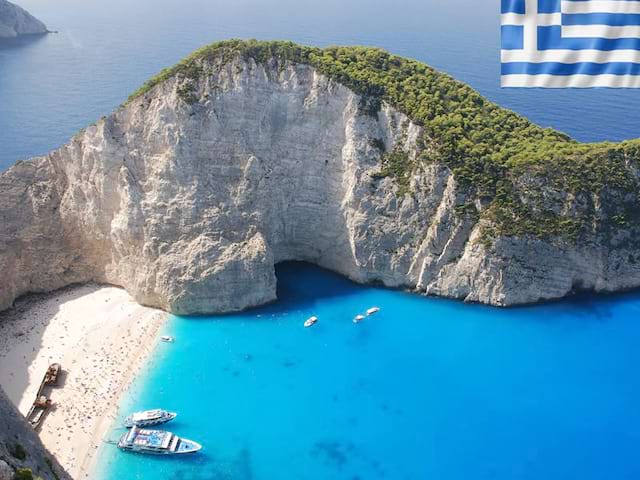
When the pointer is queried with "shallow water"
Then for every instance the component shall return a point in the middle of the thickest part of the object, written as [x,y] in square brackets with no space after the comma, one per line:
[426,388]
[53,86]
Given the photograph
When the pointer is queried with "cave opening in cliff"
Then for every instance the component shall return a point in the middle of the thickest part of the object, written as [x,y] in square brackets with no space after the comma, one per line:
[304,283]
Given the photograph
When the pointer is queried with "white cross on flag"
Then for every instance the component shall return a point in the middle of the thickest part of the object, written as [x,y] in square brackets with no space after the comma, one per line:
[570,43]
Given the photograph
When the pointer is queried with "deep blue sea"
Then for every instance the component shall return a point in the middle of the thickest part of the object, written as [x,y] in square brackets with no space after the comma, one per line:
[425,389]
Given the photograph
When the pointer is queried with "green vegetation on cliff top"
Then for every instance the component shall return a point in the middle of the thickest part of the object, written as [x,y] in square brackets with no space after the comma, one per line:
[488,148]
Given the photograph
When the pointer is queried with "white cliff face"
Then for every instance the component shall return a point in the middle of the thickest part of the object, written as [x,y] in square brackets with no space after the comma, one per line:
[15,21]
[189,204]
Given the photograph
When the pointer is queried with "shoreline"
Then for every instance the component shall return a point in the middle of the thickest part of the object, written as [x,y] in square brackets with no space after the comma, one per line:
[102,339]
[106,422]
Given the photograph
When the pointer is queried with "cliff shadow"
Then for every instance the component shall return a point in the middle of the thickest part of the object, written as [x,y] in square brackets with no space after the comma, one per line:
[22,329]
[302,284]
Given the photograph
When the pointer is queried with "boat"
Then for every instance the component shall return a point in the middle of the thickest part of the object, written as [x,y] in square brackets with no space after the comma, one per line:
[358,318]
[167,339]
[156,442]
[310,321]
[373,310]
[51,377]
[36,417]
[38,411]
[148,418]
[42,402]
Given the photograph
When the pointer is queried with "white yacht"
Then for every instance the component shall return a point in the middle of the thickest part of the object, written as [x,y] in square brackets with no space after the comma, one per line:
[156,442]
[358,318]
[373,310]
[149,418]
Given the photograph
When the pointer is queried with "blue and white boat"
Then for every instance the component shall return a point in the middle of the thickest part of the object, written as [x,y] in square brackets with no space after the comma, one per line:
[156,442]
[149,418]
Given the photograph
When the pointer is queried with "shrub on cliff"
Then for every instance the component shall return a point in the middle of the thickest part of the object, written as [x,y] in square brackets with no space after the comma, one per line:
[25,474]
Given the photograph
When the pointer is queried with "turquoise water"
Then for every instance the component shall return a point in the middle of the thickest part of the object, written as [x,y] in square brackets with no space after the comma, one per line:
[426,388]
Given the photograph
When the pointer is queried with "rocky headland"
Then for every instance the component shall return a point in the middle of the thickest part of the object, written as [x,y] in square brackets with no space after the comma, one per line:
[247,154]
[15,21]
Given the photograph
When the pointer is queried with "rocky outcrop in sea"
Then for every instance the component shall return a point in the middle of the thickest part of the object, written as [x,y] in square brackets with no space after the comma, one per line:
[15,21]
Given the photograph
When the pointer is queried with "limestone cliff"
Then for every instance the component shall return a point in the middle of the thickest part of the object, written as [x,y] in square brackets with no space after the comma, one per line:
[190,193]
[21,449]
[15,21]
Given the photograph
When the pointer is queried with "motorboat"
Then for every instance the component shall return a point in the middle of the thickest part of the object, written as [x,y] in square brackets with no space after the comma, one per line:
[148,418]
[373,310]
[358,318]
[167,339]
[310,321]
[156,442]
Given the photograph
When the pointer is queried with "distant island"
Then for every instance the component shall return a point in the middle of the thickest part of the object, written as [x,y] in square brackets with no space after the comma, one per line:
[15,21]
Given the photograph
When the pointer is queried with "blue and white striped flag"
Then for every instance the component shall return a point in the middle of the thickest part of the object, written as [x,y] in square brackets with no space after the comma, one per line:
[570,43]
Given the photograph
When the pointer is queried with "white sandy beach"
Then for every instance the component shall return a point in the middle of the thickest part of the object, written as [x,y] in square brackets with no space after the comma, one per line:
[101,337]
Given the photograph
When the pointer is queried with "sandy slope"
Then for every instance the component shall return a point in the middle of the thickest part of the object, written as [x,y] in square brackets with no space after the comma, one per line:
[101,338]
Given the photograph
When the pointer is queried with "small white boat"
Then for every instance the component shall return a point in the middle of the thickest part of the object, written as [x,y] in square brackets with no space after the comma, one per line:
[310,321]
[358,318]
[167,339]
[373,310]
[149,418]
[156,442]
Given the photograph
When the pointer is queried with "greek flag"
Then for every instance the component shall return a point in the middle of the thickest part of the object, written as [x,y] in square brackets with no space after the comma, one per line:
[570,43]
